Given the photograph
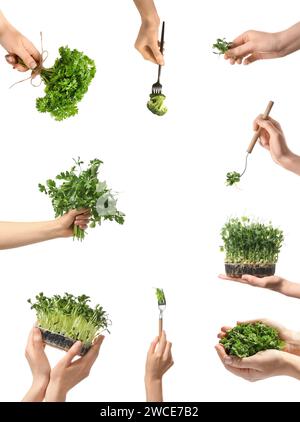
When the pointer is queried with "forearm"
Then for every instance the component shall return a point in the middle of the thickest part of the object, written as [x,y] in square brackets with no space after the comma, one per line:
[147,10]
[54,393]
[13,235]
[36,393]
[154,391]
[290,39]
[291,162]
[292,366]
[3,23]
[288,288]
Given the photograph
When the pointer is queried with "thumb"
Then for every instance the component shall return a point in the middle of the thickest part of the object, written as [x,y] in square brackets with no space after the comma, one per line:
[71,353]
[267,125]
[37,338]
[243,363]
[27,59]
[75,213]
[251,279]
[157,55]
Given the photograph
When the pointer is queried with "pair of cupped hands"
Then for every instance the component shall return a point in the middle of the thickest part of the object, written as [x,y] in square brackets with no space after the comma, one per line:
[267,363]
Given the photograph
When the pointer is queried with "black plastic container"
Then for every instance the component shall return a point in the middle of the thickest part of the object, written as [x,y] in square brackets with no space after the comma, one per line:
[61,342]
[237,270]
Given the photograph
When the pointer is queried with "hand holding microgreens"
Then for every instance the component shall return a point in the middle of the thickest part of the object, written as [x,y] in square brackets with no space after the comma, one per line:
[221,46]
[69,316]
[247,339]
[234,177]
[79,189]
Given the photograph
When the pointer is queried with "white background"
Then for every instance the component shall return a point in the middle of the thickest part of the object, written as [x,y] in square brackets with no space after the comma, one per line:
[170,174]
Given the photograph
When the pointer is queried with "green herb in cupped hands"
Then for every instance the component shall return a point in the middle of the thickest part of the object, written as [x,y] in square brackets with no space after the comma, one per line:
[82,189]
[66,83]
[221,46]
[247,339]
[70,316]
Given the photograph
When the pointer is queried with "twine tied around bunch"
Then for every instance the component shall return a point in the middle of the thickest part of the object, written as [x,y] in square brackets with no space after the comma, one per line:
[37,71]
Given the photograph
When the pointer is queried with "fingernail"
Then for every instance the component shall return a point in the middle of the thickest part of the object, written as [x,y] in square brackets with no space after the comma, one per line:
[228,361]
[10,59]
[32,65]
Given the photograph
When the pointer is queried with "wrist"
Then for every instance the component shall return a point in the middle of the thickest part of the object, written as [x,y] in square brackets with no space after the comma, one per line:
[153,389]
[54,229]
[55,393]
[291,365]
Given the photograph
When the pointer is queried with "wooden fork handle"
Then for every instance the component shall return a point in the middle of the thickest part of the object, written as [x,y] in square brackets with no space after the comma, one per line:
[160,326]
[257,133]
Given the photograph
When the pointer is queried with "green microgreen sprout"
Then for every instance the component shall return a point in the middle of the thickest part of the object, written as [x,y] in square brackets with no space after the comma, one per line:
[66,82]
[70,316]
[156,104]
[232,178]
[221,46]
[79,189]
[160,295]
[247,241]
[247,339]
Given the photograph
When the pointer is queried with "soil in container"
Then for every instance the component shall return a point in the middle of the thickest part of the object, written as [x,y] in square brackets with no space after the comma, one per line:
[61,342]
[237,270]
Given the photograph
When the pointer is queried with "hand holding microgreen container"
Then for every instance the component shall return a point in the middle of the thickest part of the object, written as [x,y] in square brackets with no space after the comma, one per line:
[64,320]
[250,247]
[82,189]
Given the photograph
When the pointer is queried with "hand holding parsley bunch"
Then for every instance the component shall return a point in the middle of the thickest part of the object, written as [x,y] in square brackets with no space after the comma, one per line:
[81,189]
[66,83]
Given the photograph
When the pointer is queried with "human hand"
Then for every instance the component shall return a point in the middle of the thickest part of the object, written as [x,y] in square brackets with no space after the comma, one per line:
[147,42]
[68,372]
[39,365]
[159,361]
[268,363]
[66,222]
[18,46]
[273,282]
[291,338]
[255,45]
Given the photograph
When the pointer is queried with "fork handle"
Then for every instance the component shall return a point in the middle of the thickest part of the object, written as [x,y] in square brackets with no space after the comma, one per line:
[161,48]
[160,326]
[258,132]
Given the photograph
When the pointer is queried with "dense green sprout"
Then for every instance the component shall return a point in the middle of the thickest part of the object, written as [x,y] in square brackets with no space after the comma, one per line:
[221,46]
[70,316]
[156,104]
[247,339]
[66,83]
[77,189]
[232,178]
[250,242]
[160,295]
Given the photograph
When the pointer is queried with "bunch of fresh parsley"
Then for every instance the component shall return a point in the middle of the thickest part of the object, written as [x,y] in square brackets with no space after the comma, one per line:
[77,189]
[247,339]
[66,83]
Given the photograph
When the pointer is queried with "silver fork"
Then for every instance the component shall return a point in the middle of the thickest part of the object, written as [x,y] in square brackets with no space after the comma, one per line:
[157,86]
[162,308]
